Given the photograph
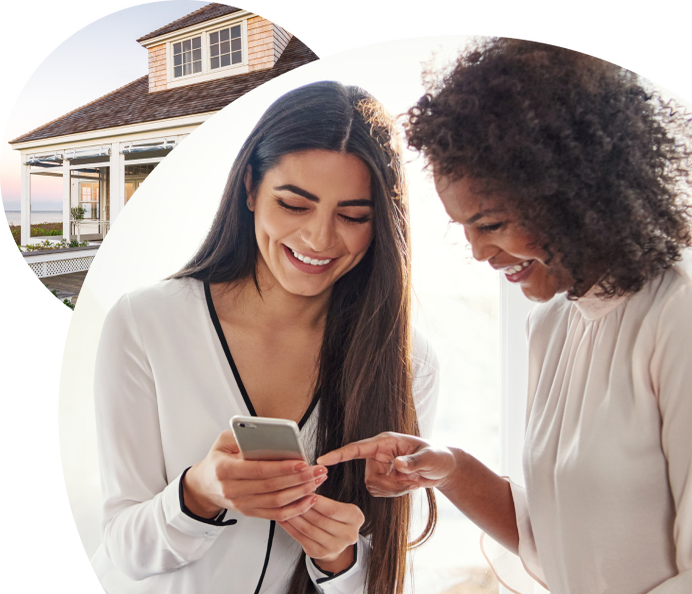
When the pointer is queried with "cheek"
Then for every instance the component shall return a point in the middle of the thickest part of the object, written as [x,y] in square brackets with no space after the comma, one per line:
[360,238]
[272,224]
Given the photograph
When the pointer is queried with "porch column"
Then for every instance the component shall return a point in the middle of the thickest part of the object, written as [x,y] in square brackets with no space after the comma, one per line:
[117,188]
[66,202]
[25,202]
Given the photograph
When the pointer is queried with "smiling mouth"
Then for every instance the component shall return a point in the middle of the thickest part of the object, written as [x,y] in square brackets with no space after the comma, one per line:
[311,261]
[512,270]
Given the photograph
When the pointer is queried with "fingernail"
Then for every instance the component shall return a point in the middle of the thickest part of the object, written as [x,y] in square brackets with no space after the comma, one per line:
[319,471]
[403,461]
[320,480]
[313,500]
[300,466]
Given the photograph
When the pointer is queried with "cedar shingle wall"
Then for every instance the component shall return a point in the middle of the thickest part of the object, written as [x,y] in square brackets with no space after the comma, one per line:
[281,39]
[260,42]
[157,68]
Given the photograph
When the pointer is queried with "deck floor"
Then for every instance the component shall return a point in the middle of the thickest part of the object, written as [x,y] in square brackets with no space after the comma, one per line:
[66,286]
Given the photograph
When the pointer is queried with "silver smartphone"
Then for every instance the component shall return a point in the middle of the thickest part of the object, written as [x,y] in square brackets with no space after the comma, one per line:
[265,438]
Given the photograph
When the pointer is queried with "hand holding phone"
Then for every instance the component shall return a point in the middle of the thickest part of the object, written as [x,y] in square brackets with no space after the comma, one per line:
[270,489]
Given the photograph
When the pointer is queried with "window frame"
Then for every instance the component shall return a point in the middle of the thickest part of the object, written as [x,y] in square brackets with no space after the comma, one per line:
[207,73]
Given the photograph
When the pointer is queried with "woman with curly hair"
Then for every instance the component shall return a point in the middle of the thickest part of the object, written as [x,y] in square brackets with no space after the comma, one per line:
[571,177]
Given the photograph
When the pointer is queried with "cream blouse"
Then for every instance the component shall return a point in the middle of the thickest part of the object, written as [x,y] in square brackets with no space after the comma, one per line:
[608,454]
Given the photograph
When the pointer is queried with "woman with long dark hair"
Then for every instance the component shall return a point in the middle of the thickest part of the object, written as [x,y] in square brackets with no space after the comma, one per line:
[572,177]
[297,305]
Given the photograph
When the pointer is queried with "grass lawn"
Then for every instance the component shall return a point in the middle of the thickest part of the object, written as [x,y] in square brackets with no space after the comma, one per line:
[42,230]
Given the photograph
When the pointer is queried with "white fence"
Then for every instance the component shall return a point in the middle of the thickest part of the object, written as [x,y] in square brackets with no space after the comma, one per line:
[64,261]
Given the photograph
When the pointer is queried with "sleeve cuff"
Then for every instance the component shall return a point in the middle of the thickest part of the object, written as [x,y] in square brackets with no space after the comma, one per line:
[181,518]
[348,581]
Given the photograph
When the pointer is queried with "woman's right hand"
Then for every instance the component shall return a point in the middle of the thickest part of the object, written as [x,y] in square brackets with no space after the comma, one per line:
[397,463]
[262,489]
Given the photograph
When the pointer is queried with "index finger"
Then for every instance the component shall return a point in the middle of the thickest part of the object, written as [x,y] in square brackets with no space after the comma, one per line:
[383,447]
[358,450]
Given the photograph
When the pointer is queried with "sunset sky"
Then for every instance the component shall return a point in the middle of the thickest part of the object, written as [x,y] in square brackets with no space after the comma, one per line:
[91,63]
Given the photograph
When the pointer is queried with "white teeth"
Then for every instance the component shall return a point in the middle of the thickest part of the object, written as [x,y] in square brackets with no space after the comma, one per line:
[516,268]
[311,261]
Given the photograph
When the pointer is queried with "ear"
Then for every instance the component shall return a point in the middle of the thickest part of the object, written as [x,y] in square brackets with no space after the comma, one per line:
[248,188]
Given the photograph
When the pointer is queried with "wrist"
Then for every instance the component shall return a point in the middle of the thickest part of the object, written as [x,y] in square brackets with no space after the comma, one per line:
[451,482]
[193,498]
[336,563]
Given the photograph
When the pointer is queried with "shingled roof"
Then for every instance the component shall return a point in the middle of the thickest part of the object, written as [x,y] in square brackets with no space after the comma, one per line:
[206,13]
[134,104]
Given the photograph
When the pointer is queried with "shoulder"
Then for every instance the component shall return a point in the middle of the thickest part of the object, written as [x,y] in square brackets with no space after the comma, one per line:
[155,308]
[168,296]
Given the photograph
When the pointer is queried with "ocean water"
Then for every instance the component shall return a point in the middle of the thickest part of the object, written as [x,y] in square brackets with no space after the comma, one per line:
[37,216]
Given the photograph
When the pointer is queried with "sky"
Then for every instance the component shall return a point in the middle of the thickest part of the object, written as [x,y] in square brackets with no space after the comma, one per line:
[94,61]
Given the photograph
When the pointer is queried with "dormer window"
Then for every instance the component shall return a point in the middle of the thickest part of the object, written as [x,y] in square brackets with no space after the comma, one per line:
[210,54]
[187,57]
[225,47]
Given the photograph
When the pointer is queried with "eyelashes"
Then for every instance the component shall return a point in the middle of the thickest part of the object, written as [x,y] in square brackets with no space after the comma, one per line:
[345,218]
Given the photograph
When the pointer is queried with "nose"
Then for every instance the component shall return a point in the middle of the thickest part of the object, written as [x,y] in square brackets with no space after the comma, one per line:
[319,232]
[482,247]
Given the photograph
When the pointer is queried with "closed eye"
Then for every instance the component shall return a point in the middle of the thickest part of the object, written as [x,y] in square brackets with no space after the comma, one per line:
[290,207]
[355,220]
[489,228]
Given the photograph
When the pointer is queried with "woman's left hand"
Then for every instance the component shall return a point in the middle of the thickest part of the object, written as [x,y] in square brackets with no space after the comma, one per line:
[327,532]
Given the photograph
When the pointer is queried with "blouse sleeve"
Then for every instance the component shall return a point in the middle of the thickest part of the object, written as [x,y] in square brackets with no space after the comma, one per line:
[426,383]
[145,528]
[671,373]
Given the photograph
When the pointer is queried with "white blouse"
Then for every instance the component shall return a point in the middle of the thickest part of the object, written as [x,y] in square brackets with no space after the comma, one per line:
[608,452]
[166,387]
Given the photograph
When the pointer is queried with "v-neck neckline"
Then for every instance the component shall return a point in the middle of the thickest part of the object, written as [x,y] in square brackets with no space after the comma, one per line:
[227,351]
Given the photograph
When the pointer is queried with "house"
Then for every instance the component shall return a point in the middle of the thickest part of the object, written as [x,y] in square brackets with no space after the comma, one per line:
[103,150]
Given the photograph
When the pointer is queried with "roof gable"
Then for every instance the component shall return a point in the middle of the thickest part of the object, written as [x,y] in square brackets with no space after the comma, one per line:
[206,13]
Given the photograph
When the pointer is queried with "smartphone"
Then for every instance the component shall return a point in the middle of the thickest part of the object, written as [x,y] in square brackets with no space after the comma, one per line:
[265,438]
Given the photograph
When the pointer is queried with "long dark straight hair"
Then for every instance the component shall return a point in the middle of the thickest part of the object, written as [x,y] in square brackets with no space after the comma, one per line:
[364,377]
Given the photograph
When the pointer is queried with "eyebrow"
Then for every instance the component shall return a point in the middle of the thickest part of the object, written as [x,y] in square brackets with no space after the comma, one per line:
[310,196]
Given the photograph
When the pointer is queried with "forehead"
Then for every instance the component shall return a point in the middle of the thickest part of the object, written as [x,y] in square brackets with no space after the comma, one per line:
[464,199]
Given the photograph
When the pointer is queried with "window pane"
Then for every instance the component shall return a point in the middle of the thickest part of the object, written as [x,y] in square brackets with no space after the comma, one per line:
[196,55]
[214,37]
[224,35]
[225,47]
[214,50]
[235,45]
[177,60]
[187,57]
[197,67]
[214,62]
[187,69]
[178,71]
[196,42]
[187,46]
[176,48]
[225,60]
[237,57]
[235,31]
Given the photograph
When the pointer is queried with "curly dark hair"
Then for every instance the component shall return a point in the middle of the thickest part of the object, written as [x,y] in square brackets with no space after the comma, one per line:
[596,166]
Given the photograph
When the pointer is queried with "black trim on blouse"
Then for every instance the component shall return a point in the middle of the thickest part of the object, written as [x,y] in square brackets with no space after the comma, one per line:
[272,526]
[251,409]
[330,574]
[231,362]
[217,521]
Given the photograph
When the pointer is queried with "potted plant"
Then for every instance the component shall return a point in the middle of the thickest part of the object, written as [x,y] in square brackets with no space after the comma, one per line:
[78,213]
